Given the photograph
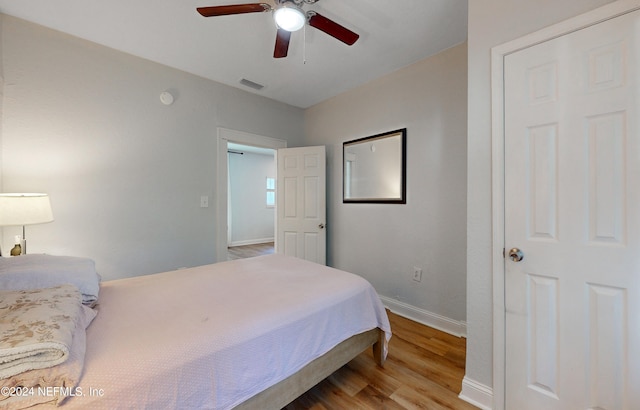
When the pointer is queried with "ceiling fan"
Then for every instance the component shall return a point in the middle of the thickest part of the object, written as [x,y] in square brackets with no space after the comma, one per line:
[289,17]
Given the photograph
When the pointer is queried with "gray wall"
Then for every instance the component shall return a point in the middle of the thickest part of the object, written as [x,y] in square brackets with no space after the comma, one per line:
[384,242]
[492,22]
[125,173]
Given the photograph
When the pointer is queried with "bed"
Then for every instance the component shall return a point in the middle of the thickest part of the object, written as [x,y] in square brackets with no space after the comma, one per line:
[249,334]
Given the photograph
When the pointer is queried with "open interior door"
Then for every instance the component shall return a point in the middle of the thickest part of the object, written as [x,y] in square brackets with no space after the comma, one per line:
[301,203]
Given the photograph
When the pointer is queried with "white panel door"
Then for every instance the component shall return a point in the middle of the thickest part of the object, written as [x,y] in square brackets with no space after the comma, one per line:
[572,207]
[301,203]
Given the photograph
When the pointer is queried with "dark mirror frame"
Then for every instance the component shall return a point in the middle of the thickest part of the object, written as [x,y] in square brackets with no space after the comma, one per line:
[379,200]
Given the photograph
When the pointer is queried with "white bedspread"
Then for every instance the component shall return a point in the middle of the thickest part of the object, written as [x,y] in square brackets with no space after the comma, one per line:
[211,337]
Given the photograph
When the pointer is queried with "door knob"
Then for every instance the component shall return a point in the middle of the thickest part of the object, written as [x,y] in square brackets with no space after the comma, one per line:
[321,226]
[516,255]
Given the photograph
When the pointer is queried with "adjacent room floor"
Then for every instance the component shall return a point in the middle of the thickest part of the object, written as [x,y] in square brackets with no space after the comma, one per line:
[248,251]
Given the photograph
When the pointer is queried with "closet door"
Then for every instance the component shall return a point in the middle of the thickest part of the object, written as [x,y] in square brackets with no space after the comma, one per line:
[572,220]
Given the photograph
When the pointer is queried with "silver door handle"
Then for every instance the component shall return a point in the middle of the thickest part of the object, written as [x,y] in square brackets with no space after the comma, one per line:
[516,255]
[321,226]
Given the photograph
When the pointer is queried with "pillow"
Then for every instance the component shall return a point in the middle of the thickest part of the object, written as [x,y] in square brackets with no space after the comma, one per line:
[36,271]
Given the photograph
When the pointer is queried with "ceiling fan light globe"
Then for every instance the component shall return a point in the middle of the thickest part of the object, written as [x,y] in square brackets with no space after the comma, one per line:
[289,17]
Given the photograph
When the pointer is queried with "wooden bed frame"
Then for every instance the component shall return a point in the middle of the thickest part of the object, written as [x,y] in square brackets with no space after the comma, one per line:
[279,395]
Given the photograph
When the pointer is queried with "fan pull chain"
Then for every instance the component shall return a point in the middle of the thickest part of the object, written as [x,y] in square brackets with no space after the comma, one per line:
[304,45]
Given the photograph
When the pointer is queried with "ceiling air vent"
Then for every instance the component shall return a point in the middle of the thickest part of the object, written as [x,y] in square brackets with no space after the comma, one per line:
[251,84]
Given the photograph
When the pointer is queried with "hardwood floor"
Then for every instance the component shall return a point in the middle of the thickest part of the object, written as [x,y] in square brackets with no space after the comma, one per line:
[424,370]
[248,251]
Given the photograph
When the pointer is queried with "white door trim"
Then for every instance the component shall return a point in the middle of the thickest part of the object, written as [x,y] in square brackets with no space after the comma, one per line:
[226,135]
[498,54]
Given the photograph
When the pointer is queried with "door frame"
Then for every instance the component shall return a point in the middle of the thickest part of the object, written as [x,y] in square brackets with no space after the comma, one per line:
[498,55]
[225,136]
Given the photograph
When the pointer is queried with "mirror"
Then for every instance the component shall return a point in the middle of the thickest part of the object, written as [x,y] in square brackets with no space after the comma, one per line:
[374,168]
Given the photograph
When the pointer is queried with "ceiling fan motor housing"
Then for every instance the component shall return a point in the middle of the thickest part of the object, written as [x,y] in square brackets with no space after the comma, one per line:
[297,2]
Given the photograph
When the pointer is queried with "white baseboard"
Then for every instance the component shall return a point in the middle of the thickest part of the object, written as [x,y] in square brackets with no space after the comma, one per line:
[453,327]
[251,242]
[477,394]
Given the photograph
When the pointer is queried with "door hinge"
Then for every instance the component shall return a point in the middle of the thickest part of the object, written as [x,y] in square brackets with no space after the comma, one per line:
[504,253]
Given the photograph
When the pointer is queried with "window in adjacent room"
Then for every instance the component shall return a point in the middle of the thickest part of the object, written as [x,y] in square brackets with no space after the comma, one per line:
[271,192]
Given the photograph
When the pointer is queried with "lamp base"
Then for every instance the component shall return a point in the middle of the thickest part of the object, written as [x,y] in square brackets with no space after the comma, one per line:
[16,250]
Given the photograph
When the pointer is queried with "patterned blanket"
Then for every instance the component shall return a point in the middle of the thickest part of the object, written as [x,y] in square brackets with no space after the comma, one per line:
[37,327]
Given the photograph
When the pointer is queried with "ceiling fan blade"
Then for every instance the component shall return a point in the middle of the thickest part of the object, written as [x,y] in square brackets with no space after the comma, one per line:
[282,43]
[233,9]
[332,28]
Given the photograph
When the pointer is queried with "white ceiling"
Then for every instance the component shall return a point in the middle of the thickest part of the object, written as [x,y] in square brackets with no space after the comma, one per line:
[393,34]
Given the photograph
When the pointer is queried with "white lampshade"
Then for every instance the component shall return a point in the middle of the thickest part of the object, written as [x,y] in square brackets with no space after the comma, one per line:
[289,17]
[24,209]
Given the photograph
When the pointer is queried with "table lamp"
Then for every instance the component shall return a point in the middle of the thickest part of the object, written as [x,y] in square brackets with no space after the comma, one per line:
[24,209]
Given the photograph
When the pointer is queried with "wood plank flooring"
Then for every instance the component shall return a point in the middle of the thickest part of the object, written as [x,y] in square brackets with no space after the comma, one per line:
[248,251]
[424,370]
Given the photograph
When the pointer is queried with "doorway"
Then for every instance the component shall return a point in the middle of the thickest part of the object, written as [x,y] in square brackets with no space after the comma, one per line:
[251,200]
[225,137]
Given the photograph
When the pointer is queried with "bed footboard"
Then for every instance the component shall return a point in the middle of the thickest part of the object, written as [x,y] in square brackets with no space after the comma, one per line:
[283,393]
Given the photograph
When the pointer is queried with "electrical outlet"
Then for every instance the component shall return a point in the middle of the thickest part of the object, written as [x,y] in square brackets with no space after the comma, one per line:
[417,274]
[204,201]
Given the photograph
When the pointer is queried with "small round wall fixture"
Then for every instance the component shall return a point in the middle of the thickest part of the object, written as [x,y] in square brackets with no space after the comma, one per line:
[166,98]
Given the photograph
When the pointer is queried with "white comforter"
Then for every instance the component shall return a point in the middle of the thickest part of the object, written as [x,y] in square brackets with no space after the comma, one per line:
[211,337]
